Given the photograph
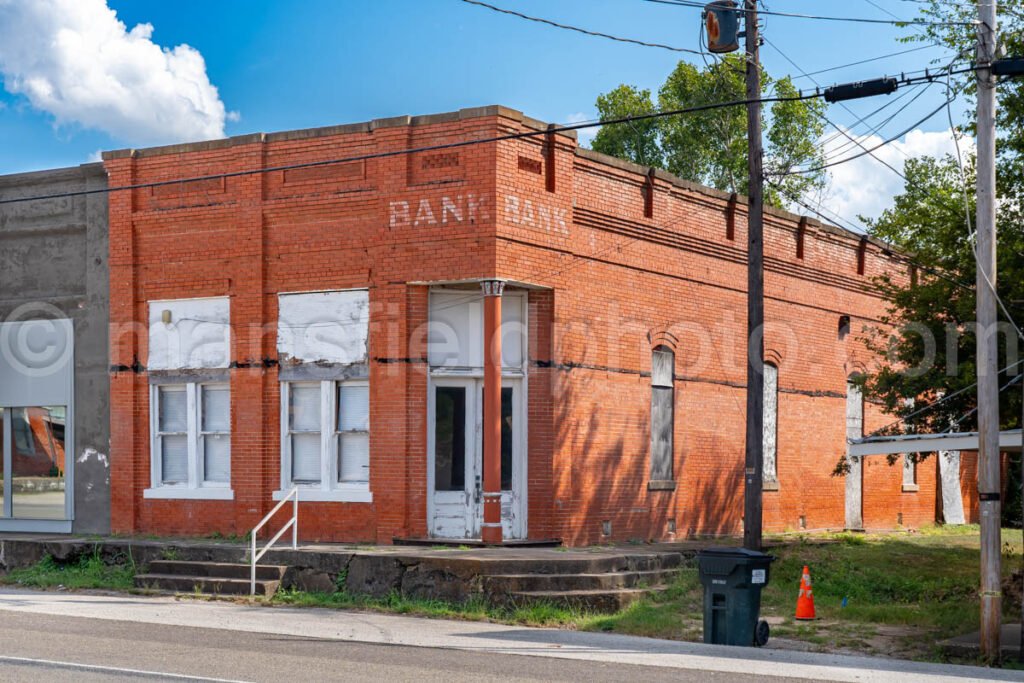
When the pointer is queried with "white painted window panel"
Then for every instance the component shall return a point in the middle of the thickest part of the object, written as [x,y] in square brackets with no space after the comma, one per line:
[456,330]
[353,408]
[354,457]
[324,327]
[305,407]
[854,412]
[216,409]
[770,435]
[662,368]
[306,458]
[173,409]
[217,458]
[198,335]
[513,331]
[174,462]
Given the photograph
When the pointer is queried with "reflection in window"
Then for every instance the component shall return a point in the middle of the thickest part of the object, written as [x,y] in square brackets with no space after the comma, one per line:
[3,440]
[37,462]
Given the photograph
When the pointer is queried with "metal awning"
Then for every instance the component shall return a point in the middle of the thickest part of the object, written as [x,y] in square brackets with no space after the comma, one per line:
[1009,440]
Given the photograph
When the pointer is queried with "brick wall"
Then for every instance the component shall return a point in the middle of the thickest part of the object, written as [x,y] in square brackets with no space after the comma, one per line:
[616,261]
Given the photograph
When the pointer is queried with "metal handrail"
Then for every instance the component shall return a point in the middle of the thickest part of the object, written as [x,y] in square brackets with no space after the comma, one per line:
[293,523]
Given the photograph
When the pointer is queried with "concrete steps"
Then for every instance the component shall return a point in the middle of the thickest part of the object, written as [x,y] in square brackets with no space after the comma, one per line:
[516,583]
[599,586]
[209,578]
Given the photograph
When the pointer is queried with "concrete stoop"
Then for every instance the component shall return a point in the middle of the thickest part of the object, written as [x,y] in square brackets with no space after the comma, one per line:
[596,579]
[209,578]
[598,591]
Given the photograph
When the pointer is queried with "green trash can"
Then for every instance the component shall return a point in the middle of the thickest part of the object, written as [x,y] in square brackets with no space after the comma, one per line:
[732,580]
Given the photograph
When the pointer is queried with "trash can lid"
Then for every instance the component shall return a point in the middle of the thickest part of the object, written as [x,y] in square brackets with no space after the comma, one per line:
[735,552]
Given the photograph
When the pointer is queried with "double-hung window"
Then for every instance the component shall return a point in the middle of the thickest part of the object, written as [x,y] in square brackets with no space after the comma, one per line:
[326,439]
[191,441]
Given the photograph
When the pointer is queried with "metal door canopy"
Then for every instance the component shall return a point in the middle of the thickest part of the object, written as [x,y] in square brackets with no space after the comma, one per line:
[1009,440]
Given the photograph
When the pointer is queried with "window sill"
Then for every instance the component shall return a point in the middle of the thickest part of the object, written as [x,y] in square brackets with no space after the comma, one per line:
[770,485]
[174,493]
[334,496]
[661,485]
[911,488]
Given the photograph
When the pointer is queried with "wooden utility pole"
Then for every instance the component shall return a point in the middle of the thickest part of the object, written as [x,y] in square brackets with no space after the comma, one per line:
[988,388]
[754,460]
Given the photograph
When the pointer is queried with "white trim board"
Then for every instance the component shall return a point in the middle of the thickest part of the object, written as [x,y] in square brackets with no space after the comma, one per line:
[1009,440]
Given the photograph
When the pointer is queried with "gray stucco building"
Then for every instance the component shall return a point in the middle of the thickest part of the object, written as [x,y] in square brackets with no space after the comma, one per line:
[54,387]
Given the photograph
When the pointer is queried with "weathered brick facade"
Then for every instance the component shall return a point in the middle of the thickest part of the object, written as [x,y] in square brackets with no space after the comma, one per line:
[615,260]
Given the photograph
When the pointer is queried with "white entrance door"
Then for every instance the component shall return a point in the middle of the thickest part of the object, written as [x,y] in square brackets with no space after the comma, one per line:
[455,462]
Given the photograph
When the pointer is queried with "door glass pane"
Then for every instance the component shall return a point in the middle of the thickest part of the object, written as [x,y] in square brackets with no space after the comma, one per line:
[306,458]
[304,407]
[354,457]
[37,462]
[353,408]
[174,451]
[173,409]
[216,409]
[450,439]
[506,439]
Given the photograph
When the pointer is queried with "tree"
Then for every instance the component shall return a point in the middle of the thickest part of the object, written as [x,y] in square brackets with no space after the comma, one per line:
[710,147]
[929,221]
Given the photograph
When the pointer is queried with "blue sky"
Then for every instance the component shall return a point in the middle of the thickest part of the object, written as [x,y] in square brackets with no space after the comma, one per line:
[278,66]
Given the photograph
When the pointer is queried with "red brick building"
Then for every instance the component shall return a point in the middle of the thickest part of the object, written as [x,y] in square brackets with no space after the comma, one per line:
[322,327]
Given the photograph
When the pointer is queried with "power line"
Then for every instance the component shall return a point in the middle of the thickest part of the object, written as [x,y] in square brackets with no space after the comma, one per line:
[794,15]
[866,151]
[413,150]
[863,61]
[828,120]
[577,29]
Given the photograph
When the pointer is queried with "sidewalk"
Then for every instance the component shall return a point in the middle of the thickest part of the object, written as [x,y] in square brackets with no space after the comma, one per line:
[486,637]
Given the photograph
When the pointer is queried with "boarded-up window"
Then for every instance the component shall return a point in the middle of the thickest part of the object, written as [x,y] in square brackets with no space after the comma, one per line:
[662,413]
[909,472]
[771,422]
[455,332]
[323,327]
[189,334]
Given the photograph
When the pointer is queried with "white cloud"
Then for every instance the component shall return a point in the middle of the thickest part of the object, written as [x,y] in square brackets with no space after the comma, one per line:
[865,186]
[77,61]
[585,135]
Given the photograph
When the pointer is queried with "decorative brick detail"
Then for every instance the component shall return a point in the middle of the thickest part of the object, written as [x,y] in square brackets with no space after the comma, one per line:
[530,165]
[446,160]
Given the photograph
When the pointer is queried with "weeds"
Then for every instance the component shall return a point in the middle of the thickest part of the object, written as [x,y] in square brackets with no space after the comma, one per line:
[87,572]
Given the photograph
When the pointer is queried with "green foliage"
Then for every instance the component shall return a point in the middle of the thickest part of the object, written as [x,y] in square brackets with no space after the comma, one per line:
[932,353]
[86,572]
[710,147]
[635,140]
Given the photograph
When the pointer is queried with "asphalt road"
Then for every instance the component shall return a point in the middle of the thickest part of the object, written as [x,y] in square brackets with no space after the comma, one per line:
[36,647]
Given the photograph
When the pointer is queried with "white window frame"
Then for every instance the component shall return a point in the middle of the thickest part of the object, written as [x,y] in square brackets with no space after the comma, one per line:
[195,487]
[329,489]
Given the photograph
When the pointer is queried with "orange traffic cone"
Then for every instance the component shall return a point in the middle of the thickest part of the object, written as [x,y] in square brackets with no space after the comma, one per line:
[805,601]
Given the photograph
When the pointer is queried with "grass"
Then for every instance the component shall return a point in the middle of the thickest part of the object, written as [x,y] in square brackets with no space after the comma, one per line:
[86,572]
[476,609]
[903,593]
